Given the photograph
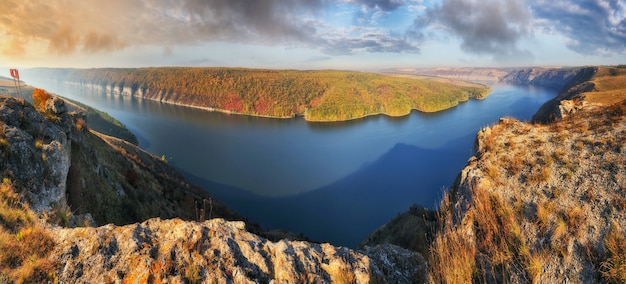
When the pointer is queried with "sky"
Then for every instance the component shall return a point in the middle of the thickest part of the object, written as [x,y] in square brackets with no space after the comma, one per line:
[312,34]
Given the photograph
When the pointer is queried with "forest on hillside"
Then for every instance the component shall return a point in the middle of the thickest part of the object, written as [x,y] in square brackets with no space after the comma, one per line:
[325,95]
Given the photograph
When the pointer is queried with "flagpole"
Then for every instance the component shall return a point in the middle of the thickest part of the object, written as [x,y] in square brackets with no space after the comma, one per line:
[16,80]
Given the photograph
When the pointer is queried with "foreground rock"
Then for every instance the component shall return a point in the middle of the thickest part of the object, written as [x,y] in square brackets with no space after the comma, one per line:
[218,251]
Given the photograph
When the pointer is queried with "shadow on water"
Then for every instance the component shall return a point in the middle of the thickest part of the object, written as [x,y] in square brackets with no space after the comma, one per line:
[346,211]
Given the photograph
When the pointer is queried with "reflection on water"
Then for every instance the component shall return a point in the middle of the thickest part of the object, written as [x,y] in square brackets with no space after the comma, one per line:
[300,176]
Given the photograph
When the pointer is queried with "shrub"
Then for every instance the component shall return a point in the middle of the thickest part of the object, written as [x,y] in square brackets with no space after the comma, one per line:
[40,97]
[81,124]
[38,144]
[535,266]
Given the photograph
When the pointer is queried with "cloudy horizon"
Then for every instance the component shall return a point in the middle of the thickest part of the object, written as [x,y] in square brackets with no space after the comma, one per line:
[312,34]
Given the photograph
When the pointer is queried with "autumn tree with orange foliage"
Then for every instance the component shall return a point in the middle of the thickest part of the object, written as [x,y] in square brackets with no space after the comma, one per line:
[40,96]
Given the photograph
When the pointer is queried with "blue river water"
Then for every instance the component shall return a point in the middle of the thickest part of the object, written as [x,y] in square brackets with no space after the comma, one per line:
[332,182]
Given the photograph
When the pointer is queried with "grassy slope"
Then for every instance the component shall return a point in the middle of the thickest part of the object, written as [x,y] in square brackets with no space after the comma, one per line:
[610,86]
[318,95]
[104,123]
[549,214]
[545,215]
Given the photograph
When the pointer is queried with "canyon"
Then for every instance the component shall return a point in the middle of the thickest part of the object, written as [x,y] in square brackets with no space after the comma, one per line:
[538,202]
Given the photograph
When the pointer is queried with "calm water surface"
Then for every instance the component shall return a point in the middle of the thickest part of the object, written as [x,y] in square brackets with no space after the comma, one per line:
[331,181]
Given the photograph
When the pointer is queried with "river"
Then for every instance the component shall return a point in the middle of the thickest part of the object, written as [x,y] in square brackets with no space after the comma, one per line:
[332,182]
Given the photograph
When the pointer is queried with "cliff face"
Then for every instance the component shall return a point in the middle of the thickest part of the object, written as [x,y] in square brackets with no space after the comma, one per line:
[539,203]
[36,150]
[560,79]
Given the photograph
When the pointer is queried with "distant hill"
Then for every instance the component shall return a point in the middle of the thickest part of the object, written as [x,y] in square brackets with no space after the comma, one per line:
[479,75]
[317,95]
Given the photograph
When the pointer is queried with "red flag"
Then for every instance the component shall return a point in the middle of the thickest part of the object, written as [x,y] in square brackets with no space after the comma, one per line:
[15,74]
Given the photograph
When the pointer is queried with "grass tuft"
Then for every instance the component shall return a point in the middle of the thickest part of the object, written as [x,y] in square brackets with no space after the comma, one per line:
[613,268]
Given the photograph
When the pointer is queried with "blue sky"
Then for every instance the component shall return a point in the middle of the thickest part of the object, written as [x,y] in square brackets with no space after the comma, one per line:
[312,34]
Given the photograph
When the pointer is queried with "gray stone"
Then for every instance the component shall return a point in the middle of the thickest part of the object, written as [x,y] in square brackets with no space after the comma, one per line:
[56,106]
[218,251]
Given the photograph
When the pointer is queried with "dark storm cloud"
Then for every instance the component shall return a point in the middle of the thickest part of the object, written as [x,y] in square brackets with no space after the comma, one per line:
[259,20]
[593,26]
[491,27]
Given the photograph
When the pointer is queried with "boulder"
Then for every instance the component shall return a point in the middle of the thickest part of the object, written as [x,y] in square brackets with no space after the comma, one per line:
[56,106]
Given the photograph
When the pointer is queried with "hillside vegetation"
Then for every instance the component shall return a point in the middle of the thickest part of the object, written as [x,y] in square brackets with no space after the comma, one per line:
[104,123]
[316,95]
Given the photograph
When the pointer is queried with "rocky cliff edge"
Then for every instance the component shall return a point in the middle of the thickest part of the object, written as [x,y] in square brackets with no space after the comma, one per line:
[218,251]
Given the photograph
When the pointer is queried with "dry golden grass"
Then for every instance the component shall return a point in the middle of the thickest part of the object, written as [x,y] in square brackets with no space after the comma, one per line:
[452,255]
[610,83]
[536,265]
[613,268]
[40,97]
[496,252]
[575,220]
[452,258]
[24,243]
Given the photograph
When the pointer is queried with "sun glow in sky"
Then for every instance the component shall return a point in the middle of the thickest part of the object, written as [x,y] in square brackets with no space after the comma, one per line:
[312,34]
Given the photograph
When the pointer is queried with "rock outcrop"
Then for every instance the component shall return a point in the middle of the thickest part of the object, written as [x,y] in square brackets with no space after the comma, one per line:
[564,104]
[39,149]
[218,251]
